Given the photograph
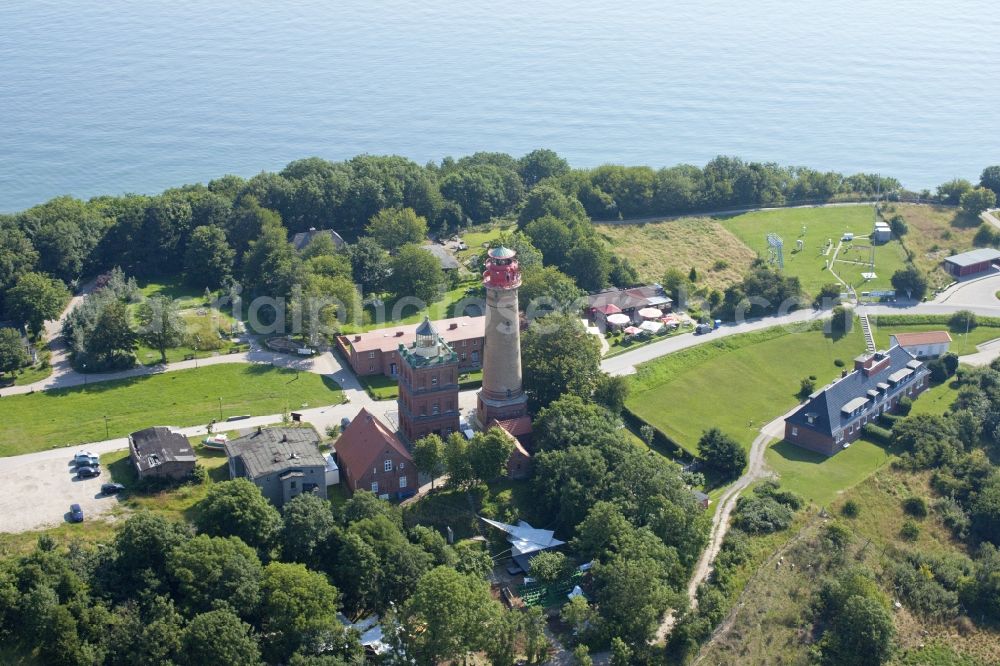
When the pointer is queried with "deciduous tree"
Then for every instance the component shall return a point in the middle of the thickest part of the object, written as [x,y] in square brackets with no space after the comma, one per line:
[161,325]
[35,298]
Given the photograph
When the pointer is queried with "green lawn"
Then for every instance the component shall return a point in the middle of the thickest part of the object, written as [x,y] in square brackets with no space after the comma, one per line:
[477,238]
[820,224]
[960,344]
[936,400]
[69,416]
[737,383]
[176,289]
[449,305]
[820,479]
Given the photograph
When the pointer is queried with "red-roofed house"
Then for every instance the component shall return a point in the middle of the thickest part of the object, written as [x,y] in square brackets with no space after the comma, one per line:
[927,344]
[377,352]
[371,457]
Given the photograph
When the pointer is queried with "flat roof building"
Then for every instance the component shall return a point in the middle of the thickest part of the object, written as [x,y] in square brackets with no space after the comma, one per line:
[970,263]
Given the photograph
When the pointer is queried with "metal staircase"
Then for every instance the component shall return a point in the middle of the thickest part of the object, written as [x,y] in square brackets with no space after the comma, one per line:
[867,330]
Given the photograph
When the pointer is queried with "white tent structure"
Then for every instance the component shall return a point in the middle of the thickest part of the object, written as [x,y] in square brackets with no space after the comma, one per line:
[525,540]
[619,319]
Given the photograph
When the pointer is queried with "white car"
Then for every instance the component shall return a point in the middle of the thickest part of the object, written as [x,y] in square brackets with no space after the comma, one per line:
[86,458]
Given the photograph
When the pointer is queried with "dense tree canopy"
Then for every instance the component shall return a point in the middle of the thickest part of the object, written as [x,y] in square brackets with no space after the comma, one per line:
[558,355]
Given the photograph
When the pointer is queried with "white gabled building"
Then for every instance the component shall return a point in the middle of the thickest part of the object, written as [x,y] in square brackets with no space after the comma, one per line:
[928,344]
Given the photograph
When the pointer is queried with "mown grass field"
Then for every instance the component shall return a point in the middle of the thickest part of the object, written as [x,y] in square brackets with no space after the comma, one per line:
[737,383]
[771,622]
[719,257]
[820,479]
[935,232]
[820,224]
[65,417]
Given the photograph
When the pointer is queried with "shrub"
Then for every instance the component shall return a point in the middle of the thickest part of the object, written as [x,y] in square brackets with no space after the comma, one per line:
[904,405]
[877,433]
[953,516]
[915,506]
[963,320]
[851,509]
[910,531]
[759,514]
[806,387]
[839,362]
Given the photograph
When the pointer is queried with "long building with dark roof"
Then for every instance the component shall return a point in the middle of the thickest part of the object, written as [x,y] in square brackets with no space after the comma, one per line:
[834,416]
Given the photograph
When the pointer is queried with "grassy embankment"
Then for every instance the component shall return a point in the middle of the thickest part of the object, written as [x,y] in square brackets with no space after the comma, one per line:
[719,257]
[65,417]
[770,623]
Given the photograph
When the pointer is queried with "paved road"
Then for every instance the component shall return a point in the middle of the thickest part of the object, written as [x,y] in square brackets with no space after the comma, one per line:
[990,216]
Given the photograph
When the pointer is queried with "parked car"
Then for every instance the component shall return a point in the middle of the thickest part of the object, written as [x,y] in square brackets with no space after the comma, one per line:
[76,513]
[703,328]
[111,488]
[86,458]
[87,472]
[344,422]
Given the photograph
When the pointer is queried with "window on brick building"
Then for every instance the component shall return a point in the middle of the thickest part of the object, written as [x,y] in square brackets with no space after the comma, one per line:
[795,432]
[375,487]
[402,482]
[387,466]
[436,408]
[371,354]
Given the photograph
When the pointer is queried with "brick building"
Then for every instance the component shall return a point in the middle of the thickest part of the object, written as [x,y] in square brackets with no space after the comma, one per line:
[834,416]
[371,457]
[377,352]
[428,385]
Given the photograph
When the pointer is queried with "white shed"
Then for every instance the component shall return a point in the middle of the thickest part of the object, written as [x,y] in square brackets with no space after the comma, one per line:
[332,471]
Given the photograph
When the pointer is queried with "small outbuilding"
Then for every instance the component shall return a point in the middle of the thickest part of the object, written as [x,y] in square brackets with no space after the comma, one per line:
[927,344]
[882,233]
[303,238]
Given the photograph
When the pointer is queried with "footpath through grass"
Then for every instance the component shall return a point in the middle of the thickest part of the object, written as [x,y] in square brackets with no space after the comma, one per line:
[69,416]
[737,383]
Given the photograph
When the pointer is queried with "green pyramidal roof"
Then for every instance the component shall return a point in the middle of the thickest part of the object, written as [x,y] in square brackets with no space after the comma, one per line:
[502,253]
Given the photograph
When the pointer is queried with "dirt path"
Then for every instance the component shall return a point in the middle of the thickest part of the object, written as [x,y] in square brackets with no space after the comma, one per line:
[756,470]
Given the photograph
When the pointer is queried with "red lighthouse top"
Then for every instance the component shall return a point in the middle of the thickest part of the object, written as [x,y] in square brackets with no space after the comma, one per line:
[502,271]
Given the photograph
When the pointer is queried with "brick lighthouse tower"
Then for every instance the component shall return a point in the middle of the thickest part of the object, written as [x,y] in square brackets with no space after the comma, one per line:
[502,396]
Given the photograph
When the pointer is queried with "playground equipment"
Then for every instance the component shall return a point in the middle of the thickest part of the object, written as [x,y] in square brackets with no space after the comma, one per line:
[775,250]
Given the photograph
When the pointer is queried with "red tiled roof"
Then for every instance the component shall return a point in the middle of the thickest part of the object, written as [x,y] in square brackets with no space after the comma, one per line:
[610,308]
[924,338]
[389,339]
[516,427]
[363,442]
[505,427]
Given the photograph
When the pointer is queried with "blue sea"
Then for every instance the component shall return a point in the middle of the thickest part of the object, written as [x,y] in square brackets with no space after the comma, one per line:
[139,95]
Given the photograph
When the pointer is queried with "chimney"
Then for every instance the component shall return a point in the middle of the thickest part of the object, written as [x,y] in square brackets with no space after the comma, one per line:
[399,334]
[259,430]
[357,338]
[453,326]
[843,373]
[284,437]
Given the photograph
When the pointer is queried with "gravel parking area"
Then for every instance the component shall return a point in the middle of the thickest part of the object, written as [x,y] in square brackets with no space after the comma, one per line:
[39,487]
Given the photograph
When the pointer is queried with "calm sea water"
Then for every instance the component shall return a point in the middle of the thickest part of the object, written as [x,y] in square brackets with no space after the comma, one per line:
[118,96]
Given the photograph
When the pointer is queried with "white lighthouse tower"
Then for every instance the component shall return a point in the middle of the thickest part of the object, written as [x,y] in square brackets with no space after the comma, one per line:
[502,396]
